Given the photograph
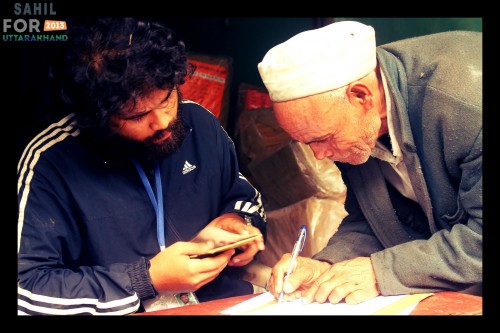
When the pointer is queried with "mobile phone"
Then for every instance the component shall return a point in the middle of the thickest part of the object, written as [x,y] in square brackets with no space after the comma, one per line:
[225,247]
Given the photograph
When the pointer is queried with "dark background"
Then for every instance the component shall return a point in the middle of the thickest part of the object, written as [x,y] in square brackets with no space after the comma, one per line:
[244,39]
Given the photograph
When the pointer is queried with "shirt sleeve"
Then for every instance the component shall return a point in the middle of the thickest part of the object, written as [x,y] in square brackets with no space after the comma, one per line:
[239,196]
[51,278]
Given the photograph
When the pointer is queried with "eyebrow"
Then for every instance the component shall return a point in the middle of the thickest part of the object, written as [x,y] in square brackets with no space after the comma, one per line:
[139,114]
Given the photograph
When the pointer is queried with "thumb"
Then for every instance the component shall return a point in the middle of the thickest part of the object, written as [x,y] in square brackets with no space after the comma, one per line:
[291,283]
[198,249]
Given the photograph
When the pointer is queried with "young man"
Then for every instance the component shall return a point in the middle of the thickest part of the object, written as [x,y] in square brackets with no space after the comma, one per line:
[403,122]
[116,199]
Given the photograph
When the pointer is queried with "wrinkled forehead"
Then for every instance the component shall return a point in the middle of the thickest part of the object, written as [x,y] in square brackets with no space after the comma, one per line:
[306,107]
[308,118]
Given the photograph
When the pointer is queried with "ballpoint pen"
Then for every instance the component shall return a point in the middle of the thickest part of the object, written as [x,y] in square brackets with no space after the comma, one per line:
[299,245]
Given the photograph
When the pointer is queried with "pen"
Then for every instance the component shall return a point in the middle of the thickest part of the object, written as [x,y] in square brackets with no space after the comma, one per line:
[299,245]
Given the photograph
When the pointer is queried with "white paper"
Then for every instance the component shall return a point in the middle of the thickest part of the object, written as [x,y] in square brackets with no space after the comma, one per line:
[266,304]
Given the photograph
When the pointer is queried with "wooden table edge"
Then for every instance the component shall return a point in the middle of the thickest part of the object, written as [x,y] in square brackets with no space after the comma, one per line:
[447,303]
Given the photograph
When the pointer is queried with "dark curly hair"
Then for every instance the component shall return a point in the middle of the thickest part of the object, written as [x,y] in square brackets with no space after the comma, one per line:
[113,61]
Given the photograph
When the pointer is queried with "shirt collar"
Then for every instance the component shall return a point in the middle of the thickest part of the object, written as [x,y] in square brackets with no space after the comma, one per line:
[380,151]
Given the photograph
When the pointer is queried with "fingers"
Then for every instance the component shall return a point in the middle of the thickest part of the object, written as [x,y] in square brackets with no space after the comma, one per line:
[351,280]
[259,242]
[243,229]
[240,261]
[248,254]
[278,273]
[222,258]
[271,287]
[293,284]
[291,296]
[214,261]
[326,291]
[334,291]
[359,296]
[329,291]
[198,250]
[309,295]
[351,293]
[231,222]
[327,286]
[208,268]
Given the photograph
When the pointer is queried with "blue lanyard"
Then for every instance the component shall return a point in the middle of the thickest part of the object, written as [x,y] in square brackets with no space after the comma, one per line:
[156,201]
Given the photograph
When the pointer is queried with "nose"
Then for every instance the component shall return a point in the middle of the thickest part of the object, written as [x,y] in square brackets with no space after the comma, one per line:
[320,150]
[159,120]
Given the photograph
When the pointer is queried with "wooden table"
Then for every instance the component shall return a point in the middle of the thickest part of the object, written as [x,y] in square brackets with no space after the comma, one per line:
[443,303]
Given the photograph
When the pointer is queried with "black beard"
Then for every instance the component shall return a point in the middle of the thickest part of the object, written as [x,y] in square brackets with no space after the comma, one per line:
[148,150]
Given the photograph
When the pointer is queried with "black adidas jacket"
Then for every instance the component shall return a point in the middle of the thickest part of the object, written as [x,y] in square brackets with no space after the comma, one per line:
[87,228]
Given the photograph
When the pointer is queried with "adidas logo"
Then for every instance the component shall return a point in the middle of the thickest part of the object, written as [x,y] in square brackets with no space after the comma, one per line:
[188,167]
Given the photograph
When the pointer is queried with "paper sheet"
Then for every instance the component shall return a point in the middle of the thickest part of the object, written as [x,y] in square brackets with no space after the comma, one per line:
[266,304]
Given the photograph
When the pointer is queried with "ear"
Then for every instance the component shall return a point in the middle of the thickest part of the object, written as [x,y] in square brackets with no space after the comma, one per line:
[360,95]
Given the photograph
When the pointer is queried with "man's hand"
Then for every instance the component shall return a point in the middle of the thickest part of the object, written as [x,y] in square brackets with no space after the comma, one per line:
[350,280]
[174,269]
[303,275]
[232,226]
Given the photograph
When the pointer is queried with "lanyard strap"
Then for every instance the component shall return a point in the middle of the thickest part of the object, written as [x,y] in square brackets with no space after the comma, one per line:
[156,201]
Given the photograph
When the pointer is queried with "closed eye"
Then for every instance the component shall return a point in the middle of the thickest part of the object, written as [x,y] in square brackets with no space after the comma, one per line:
[137,117]
[320,140]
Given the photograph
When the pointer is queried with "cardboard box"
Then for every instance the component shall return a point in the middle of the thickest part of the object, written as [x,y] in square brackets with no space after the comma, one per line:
[259,134]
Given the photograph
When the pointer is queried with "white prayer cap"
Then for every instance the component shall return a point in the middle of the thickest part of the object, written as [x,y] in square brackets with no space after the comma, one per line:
[319,60]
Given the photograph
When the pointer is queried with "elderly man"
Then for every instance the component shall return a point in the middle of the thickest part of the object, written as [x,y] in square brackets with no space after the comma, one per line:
[403,122]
